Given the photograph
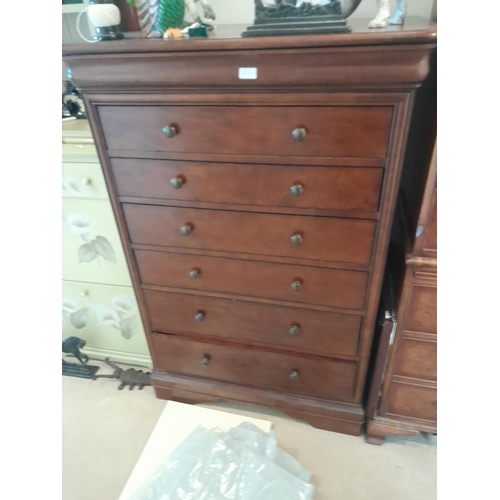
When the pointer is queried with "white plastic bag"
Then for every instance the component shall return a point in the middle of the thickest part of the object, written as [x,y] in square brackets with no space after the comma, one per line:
[242,464]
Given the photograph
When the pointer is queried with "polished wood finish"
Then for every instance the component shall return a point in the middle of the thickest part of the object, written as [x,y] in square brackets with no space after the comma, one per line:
[417,358]
[319,332]
[407,397]
[329,287]
[338,188]
[256,367]
[340,240]
[359,132]
[155,107]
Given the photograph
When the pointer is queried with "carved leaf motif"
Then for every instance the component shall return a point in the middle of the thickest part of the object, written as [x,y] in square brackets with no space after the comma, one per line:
[79,318]
[103,247]
[128,327]
[86,253]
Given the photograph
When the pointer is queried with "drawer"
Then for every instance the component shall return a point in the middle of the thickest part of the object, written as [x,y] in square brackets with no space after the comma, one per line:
[316,238]
[83,180]
[86,152]
[92,250]
[412,401]
[105,316]
[255,367]
[325,333]
[313,285]
[421,311]
[334,188]
[416,358]
[342,131]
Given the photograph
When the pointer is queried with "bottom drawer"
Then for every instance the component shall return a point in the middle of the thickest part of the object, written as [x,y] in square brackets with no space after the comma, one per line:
[255,367]
[412,401]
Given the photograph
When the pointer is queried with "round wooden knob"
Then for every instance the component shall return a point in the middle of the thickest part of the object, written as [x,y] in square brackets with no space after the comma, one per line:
[294,330]
[169,131]
[205,360]
[297,189]
[299,134]
[86,182]
[194,274]
[297,286]
[177,182]
[199,316]
[294,375]
[296,239]
[186,230]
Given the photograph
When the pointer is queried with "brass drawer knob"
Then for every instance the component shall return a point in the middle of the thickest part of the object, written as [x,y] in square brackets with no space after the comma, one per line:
[294,375]
[205,361]
[194,274]
[199,316]
[297,286]
[186,230]
[169,131]
[296,239]
[299,134]
[297,189]
[294,330]
[177,182]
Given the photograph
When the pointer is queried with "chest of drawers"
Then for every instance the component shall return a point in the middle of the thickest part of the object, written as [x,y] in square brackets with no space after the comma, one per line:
[255,213]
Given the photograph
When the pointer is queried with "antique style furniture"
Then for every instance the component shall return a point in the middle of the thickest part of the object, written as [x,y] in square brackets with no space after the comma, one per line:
[403,393]
[99,303]
[254,183]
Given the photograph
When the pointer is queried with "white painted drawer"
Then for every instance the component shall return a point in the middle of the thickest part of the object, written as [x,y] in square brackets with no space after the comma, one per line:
[92,249]
[83,180]
[105,316]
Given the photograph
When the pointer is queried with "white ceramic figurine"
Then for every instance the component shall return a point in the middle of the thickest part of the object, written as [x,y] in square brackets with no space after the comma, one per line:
[382,19]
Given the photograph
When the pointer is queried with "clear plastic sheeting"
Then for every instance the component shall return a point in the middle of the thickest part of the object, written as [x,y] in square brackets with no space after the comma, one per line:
[242,464]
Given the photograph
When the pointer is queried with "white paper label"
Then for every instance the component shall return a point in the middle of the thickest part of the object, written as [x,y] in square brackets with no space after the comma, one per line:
[247,73]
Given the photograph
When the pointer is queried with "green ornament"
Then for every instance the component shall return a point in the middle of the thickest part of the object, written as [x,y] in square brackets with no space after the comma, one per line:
[170,14]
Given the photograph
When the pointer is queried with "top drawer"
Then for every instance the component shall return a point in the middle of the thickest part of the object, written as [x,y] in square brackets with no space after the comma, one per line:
[359,132]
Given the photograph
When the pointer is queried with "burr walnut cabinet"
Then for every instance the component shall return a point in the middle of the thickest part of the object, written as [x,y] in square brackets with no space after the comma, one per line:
[254,184]
[403,392]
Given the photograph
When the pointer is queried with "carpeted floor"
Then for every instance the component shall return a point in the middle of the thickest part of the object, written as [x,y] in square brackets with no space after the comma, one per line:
[105,430]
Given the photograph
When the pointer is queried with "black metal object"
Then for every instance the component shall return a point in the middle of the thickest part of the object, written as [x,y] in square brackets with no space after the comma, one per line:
[81,371]
[128,377]
[287,19]
[72,345]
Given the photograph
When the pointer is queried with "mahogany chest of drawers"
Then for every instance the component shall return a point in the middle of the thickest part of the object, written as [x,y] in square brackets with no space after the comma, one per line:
[255,214]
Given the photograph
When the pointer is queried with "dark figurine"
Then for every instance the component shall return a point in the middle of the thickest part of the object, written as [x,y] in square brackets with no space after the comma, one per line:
[72,345]
[128,377]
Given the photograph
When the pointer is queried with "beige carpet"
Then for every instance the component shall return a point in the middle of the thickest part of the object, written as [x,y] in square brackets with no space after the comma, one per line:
[105,430]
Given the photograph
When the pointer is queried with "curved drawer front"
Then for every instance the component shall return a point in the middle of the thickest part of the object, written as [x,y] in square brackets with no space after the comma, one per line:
[316,238]
[335,188]
[325,333]
[312,285]
[255,367]
[416,358]
[414,401]
[342,131]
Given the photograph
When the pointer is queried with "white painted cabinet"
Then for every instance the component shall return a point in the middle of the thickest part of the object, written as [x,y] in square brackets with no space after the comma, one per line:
[98,301]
